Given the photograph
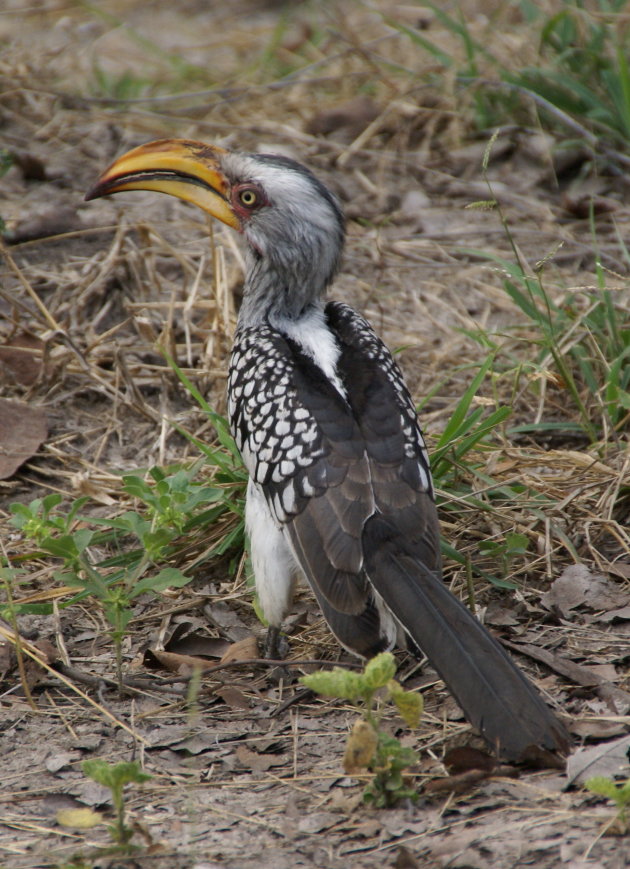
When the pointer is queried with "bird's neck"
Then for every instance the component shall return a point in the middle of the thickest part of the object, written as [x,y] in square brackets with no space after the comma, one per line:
[278,294]
[307,333]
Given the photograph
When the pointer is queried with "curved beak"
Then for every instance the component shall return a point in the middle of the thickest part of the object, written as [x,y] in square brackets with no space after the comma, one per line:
[183,168]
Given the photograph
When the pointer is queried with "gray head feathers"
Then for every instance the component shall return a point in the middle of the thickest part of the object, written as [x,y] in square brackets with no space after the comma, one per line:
[295,239]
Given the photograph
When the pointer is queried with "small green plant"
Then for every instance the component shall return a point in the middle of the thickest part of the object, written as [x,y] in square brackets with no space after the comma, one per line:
[511,546]
[582,68]
[458,459]
[619,793]
[465,432]
[581,343]
[578,84]
[40,519]
[173,502]
[174,505]
[369,748]
[115,776]
[225,463]
[121,86]
[128,85]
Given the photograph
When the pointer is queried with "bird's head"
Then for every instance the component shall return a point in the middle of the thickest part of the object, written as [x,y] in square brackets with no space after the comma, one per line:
[292,223]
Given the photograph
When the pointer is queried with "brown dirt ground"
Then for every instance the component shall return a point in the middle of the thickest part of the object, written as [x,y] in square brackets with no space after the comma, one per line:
[239,780]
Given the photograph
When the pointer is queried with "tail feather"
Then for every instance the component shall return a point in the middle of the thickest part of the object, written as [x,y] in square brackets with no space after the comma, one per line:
[494,694]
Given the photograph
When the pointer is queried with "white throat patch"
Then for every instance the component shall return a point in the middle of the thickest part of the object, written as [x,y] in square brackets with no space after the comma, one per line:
[314,337]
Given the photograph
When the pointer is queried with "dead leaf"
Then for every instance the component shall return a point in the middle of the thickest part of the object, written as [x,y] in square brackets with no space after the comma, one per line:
[465,758]
[405,859]
[233,697]
[577,586]
[228,621]
[609,760]
[352,117]
[21,359]
[581,675]
[360,747]
[61,760]
[605,672]
[22,430]
[456,784]
[182,664]
[537,757]
[500,615]
[179,739]
[598,728]
[347,803]
[619,568]
[90,793]
[83,484]
[397,822]
[619,615]
[258,762]
[185,640]
[583,205]
[316,822]
[242,650]
[79,819]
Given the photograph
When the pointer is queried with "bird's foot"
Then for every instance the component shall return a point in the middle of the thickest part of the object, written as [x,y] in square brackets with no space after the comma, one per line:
[276,645]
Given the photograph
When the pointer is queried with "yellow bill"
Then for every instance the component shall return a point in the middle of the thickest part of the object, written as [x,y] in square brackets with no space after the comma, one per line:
[183,168]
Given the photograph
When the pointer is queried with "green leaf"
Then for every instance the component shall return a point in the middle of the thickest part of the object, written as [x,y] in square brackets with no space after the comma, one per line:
[606,787]
[68,546]
[168,577]
[409,704]
[114,776]
[343,684]
[379,671]
[516,544]
[137,488]
[457,424]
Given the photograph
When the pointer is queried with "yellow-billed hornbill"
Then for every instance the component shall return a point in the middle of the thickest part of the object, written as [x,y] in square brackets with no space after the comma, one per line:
[340,488]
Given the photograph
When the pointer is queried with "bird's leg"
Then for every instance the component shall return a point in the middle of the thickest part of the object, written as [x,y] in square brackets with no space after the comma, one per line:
[276,644]
[274,569]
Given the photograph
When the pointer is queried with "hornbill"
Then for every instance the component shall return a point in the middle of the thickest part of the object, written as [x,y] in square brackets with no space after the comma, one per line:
[340,489]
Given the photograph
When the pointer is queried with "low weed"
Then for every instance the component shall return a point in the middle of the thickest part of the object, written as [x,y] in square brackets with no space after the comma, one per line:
[619,793]
[369,747]
[116,776]
[578,83]
[579,342]
[173,505]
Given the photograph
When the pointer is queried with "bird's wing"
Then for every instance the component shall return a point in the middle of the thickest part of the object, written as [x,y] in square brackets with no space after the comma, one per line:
[400,546]
[303,447]
[380,402]
[348,479]
[328,459]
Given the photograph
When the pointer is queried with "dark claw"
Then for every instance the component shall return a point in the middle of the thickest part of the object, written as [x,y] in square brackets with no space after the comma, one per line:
[276,645]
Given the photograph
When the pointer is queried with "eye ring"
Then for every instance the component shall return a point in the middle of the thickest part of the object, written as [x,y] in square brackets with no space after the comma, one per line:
[248,197]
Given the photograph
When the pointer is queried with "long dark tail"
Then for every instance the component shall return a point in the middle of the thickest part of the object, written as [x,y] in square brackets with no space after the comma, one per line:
[497,699]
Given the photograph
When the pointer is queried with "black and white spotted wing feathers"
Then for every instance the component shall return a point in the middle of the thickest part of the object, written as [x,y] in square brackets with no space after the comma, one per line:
[324,465]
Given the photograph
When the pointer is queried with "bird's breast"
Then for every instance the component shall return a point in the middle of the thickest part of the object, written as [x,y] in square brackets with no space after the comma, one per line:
[315,339]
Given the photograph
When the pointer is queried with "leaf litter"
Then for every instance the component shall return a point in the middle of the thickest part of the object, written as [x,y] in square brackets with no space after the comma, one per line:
[96,290]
